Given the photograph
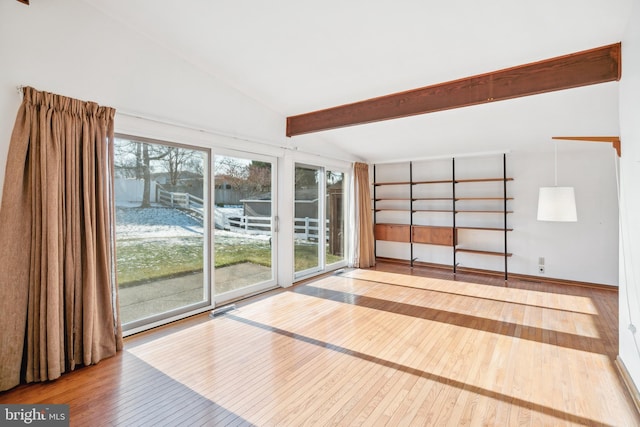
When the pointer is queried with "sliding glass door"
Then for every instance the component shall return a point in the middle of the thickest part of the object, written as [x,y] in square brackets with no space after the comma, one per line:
[244,234]
[307,225]
[162,241]
[195,229]
[335,192]
[319,214]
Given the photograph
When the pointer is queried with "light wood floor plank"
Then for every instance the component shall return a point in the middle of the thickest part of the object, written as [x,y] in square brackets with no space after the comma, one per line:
[386,346]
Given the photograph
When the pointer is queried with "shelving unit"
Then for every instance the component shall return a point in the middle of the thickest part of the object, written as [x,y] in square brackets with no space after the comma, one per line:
[412,233]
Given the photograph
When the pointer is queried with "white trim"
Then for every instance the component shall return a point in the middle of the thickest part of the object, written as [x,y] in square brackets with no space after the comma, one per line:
[165,321]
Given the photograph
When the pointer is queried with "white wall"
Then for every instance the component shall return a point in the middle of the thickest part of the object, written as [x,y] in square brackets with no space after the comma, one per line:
[69,48]
[629,304]
[585,251]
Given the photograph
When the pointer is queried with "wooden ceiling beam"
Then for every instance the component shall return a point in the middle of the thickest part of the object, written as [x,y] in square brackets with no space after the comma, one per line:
[584,68]
[24,1]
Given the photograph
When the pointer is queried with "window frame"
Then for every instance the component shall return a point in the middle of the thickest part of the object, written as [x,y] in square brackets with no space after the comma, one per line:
[324,166]
[207,303]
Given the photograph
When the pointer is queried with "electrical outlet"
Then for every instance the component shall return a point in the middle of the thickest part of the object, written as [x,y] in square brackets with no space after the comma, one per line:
[541,265]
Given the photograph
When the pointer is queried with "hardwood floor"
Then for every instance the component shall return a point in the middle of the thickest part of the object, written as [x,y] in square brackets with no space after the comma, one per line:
[368,347]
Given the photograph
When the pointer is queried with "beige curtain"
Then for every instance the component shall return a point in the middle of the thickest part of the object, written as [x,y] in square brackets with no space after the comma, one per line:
[365,251]
[58,299]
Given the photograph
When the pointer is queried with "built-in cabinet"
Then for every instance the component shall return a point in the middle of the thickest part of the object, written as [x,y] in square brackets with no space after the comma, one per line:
[467,214]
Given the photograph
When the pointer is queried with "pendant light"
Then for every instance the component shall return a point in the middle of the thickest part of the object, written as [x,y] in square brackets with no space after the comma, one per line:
[557,203]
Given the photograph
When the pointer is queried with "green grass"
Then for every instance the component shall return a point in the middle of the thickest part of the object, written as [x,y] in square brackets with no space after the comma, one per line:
[141,260]
[306,256]
[144,260]
[257,253]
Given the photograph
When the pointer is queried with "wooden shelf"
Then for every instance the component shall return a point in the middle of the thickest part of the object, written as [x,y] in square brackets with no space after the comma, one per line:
[473,251]
[444,181]
[377,184]
[471,211]
[484,228]
[483,198]
[462,181]
[439,234]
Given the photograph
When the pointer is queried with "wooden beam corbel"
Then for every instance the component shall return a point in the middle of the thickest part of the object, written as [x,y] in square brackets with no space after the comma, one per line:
[24,1]
[588,67]
[614,140]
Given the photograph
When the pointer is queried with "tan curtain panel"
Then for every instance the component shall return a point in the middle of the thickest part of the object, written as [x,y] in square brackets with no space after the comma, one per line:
[365,251]
[58,298]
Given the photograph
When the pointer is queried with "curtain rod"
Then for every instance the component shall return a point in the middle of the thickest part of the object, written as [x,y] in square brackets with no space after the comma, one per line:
[215,132]
[20,89]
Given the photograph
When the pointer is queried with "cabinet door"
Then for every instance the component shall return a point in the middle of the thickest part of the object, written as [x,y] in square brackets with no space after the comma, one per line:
[393,232]
[432,235]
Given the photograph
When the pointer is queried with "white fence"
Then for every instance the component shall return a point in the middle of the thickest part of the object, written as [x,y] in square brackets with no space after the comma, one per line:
[130,190]
[304,228]
[307,228]
[249,224]
[181,200]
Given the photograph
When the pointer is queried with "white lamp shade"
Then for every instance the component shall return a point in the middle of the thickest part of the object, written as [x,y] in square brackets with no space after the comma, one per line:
[557,204]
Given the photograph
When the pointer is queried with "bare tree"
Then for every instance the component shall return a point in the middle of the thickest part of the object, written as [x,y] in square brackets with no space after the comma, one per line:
[259,177]
[177,160]
[139,160]
[146,176]
[306,177]
[139,169]
[249,179]
[235,172]
[128,159]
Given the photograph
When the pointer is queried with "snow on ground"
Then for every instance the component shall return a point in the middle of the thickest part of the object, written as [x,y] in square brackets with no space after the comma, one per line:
[139,223]
[157,222]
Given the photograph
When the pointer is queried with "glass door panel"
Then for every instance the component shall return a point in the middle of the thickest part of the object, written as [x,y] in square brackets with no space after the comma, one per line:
[335,241]
[244,223]
[162,203]
[308,228]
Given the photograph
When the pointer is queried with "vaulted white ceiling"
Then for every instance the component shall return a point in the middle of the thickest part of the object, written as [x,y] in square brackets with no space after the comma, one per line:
[297,56]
